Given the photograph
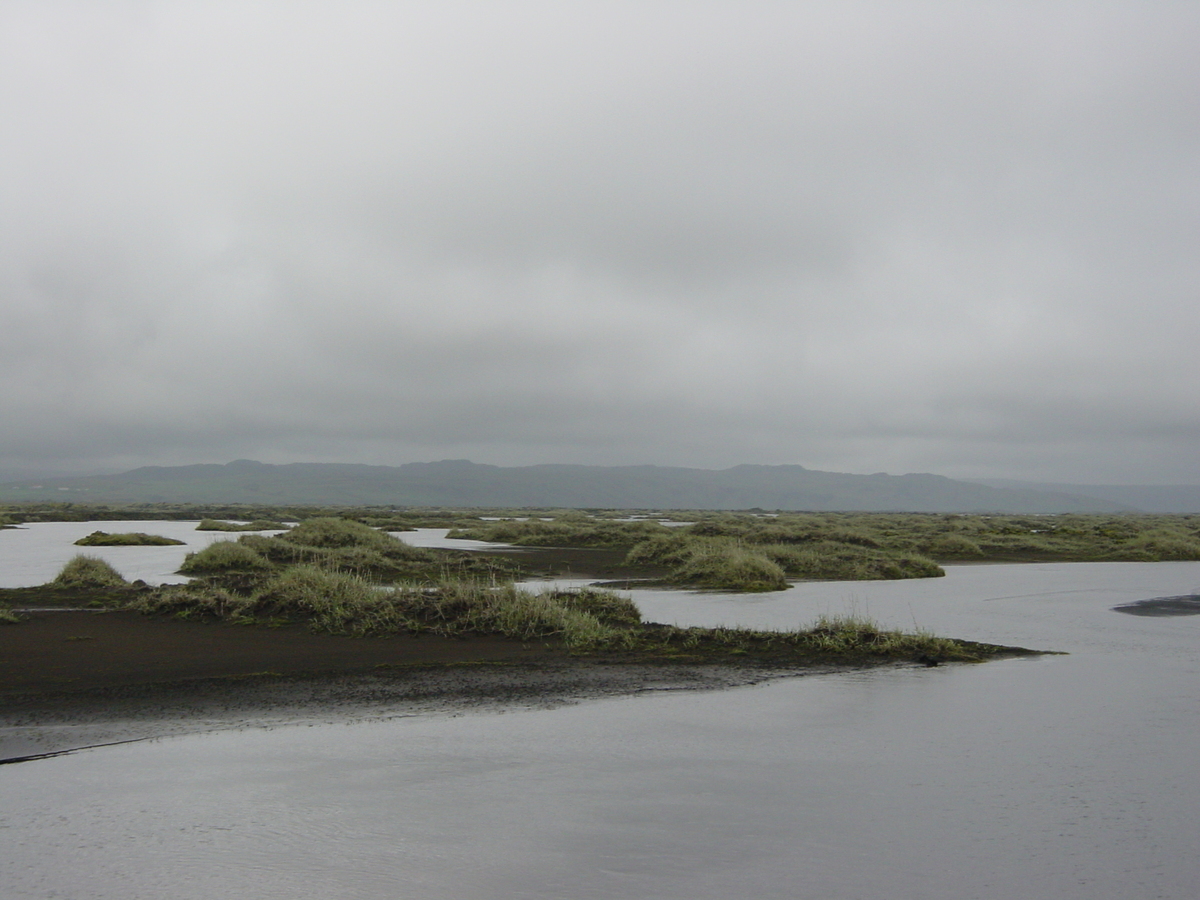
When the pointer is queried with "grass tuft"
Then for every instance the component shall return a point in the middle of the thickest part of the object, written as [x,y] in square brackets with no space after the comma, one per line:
[256,525]
[88,572]
[225,558]
[729,565]
[196,599]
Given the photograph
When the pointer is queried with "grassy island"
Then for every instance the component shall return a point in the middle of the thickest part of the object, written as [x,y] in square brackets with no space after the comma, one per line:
[344,577]
[256,525]
[725,553]
[338,592]
[127,539]
[758,551]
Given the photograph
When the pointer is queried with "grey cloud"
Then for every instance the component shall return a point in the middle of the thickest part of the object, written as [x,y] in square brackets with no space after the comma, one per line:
[901,236]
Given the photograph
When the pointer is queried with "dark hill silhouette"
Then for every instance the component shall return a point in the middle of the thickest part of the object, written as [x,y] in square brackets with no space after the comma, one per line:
[460,483]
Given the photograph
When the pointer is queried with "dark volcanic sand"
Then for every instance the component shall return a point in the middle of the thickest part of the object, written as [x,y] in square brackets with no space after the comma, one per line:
[76,680]
[1188,605]
[52,651]
[64,723]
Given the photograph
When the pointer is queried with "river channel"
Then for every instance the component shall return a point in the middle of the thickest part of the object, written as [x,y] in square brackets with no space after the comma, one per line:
[1067,776]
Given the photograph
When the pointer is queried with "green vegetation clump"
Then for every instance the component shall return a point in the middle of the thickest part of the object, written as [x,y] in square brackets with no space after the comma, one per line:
[337,533]
[335,602]
[256,525]
[728,565]
[225,558]
[571,529]
[127,539]
[726,551]
[335,545]
[325,574]
[340,603]
[896,545]
[587,622]
[468,607]
[941,537]
[88,572]
[735,564]
[196,599]
[954,546]
[1161,544]
[348,546]
[832,637]
[830,561]
[607,606]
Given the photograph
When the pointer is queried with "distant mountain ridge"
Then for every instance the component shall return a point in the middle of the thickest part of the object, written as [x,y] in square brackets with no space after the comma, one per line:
[460,483]
[1178,499]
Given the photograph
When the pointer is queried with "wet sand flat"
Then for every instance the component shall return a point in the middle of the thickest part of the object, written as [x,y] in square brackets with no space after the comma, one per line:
[74,650]
[74,680]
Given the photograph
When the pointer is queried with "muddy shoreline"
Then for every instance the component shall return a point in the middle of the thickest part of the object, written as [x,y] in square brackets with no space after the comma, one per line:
[81,678]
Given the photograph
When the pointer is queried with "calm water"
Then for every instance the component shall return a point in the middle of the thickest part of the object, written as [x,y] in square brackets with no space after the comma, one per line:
[1066,776]
[33,554]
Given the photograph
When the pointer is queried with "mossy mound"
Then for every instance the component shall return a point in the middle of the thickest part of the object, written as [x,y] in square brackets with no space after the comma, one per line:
[225,558]
[89,572]
[335,545]
[256,525]
[127,539]
[734,564]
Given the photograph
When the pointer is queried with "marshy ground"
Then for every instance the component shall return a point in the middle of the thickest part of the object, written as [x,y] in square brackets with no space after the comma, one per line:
[335,609]
[103,673]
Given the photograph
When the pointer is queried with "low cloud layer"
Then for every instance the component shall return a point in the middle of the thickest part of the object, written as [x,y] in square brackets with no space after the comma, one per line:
[956,238]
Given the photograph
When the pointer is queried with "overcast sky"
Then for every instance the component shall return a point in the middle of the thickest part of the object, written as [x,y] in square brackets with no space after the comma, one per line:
[960,238]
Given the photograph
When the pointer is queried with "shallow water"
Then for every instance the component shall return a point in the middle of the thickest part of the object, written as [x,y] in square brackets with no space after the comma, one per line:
[34,553]
[1060,776]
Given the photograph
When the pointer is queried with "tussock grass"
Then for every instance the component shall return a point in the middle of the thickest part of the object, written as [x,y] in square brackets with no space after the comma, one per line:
[588,621]
[341,603]
[830,638]
[733,564]
[348,546]
[608,607]
[335,533]
[89,572]
[127,539]
[336,602]
[729,565]
[571,529]
[665,549]
[196,599]
[953,546]
[856,633]
[335,545]
[256,525]
[225,558]
[1161,544]
[847,562]
[463,606]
